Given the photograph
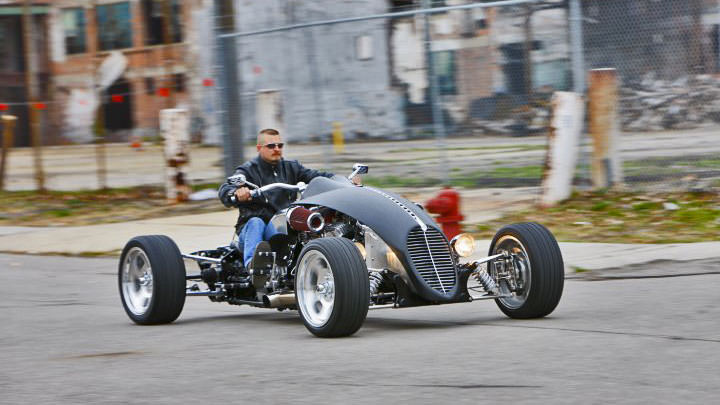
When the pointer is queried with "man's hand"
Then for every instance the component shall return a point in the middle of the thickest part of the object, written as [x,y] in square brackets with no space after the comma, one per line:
[356,180]
[242,194]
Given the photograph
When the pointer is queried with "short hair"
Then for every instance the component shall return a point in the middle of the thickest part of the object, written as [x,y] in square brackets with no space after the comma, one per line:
[268,131]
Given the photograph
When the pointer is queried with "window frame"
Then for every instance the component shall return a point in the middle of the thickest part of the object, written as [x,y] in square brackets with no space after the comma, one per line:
[120,38]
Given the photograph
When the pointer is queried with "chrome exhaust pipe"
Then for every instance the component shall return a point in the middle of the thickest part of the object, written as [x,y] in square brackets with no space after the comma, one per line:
[279,300]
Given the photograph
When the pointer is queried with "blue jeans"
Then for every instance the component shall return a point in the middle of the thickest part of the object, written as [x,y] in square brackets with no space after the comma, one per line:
[253,232]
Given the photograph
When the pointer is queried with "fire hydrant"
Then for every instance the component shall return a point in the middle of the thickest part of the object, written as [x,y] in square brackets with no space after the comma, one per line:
[447,205]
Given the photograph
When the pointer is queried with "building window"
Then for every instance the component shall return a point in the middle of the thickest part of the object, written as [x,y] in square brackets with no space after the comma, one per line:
[154,13]
[149,86]
[363,47]
[4,44]
[73,20]
[179,82]
[114,26]
[444,67]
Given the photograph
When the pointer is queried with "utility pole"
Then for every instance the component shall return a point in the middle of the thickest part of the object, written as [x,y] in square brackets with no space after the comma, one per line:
[229,88]
[31,85]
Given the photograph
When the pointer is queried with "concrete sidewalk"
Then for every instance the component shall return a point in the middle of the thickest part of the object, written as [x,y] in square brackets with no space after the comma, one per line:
[206,231]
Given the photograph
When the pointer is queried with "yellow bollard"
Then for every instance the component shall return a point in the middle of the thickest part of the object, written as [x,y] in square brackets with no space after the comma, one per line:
[7,141]
[338,137]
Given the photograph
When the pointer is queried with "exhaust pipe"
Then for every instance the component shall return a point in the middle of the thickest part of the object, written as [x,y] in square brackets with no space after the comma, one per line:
[279,300]
[303,220]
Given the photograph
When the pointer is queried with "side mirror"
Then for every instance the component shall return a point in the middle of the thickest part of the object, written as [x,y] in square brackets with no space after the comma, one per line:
[237,179]
[360,168]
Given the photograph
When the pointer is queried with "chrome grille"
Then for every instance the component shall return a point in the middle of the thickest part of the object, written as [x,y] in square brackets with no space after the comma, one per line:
[430,254]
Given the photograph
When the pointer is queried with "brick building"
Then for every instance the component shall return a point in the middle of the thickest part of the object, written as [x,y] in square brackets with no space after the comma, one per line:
[138,49]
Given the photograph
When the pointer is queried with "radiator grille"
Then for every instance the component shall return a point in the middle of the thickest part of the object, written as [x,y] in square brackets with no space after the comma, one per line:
[430,254]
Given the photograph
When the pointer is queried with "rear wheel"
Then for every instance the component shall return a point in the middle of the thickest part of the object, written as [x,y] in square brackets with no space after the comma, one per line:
[533,275]
[332,287]
[151,279]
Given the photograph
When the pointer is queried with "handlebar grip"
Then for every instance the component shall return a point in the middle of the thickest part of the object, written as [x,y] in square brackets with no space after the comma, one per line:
[255,193]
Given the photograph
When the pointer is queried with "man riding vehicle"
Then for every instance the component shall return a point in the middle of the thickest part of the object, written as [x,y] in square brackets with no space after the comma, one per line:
[253,225]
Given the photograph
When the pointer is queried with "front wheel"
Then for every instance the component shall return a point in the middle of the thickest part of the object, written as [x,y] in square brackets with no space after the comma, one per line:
[151,279]
[332,287]
[533,274]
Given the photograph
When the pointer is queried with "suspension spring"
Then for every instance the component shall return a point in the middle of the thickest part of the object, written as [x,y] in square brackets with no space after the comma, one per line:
[486,280]
[376,278]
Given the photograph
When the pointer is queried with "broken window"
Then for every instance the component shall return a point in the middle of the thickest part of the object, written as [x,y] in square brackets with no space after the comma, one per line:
[363,47]
[444,67]
[154,19]
[73,20]
[114,26]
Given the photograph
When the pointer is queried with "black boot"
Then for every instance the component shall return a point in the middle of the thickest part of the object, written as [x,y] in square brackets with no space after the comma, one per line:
[262,260]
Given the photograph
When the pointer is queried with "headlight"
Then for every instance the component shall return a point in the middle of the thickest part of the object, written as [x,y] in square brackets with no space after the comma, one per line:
[463,244]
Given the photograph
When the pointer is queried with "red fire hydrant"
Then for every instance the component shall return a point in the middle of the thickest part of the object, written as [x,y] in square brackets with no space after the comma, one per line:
[447,205]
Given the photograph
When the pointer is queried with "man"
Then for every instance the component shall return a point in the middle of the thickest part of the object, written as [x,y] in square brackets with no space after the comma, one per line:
[253,224]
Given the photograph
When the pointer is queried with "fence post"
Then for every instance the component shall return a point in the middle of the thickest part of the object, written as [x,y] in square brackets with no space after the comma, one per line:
[576,45]
[31,84]
[437,117]
[7,141]
[604,128]
[565,129]
[229,88]
[175,130]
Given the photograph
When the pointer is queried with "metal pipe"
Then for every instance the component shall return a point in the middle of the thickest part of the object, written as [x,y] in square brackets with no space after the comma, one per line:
[576,44]
[436,108]
[202,258]
[487,259]
[384,306]
[204,293]
[435,10]
[489,297]
[279,300]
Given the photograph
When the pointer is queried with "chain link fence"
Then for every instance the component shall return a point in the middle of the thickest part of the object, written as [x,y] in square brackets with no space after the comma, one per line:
[426,92]
[667,57]
[483,75]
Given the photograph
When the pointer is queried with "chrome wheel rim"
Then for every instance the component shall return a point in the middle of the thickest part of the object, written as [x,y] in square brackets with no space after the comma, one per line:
[137,281]
[315,288]
[519,273]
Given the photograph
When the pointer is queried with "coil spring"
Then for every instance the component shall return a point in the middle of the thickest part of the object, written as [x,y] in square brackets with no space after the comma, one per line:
[487,282]
[376,279]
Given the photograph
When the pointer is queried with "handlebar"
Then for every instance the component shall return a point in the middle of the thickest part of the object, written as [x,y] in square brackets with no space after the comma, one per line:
[259,191]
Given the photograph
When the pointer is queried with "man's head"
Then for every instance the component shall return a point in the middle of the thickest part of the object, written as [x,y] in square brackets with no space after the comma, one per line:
[269,145]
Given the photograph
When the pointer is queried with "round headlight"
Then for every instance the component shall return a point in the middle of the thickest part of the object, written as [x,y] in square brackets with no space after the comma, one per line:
[463,244]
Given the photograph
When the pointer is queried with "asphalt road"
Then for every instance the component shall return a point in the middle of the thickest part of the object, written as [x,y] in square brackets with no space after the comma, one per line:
[65,339]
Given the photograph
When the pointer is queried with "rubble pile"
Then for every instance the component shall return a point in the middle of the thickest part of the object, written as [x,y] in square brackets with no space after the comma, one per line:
[653,105]
[518,121]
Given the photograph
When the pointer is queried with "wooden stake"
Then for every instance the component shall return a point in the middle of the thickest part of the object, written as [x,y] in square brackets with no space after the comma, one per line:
[7,141]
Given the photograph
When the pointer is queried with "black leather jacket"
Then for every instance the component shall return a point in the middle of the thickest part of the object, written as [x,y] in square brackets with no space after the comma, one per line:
[261,173]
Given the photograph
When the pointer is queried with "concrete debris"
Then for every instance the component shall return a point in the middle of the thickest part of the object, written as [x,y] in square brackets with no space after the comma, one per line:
[685,103]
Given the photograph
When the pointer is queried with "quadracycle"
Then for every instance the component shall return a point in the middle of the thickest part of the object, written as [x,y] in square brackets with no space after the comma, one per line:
[344,249]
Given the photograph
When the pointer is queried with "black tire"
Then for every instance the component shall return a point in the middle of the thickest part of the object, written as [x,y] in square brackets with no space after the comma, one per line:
[164,293]
[350,287]
[544,285]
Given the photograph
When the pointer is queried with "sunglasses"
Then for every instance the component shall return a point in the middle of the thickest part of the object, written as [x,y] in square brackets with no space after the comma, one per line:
[278,145]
